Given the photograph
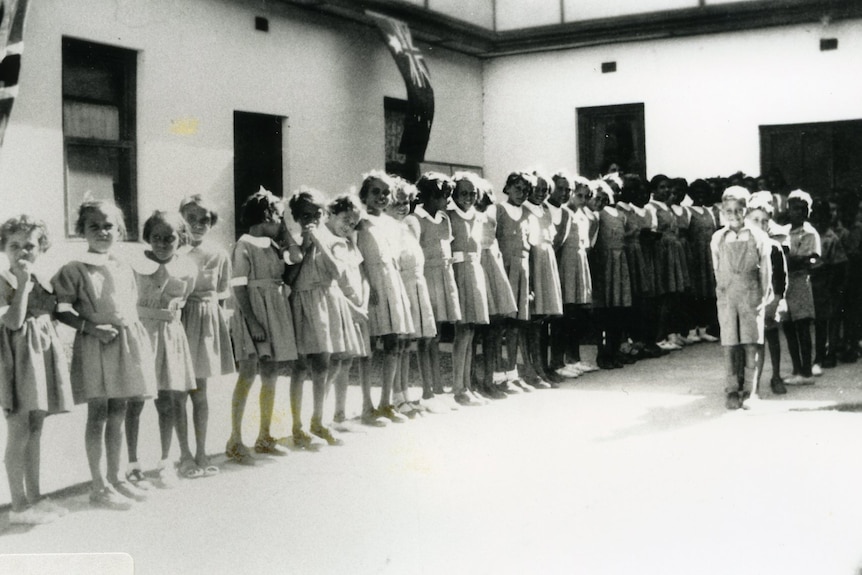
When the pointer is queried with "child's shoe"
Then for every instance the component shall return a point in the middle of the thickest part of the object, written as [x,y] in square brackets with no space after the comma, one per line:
[136,477]
[301,439]
[373,419]
[107,498]
[705,336]
[750,401]
[268,446]
[777,385]
[238,453]
[677,340]
[692,337]
[126,490]
[166,477]
[733,401]
[389,413]
[463,398]
[31,516]
[47,505]
[816,370]
[586,366]
[523,385]
[326,435]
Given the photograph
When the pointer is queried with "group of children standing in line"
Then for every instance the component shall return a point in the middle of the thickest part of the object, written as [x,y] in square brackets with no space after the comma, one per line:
[561,259]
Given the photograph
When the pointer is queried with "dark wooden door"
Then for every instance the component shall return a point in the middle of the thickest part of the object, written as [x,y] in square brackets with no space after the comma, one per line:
[257,144]
[611,135]
[817,157]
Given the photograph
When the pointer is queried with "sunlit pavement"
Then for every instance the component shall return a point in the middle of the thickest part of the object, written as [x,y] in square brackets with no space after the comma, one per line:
[639,470]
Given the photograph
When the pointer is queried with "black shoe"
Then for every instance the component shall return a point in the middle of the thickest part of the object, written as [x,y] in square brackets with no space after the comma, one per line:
[829,362]
[653,351]
[553,378]
[777,386]
[604,363]
[733,401]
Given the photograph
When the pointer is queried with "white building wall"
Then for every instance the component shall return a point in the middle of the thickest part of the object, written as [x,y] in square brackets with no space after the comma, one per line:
[199,60]
[704,97]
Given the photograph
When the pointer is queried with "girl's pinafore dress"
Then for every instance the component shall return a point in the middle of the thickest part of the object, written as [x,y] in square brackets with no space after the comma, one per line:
[102,290]
[700,230]
[544,274]
[258,263]
[513,237]
[354,288]
[611,281]
[683,220]
[162,292]
[670,263]
[640,268]
[411,262]
[576,279]
[34,373]
[501,302]
[435,237]
[390,313]
[322,318]
[804,241]
[466,263]
[204,318]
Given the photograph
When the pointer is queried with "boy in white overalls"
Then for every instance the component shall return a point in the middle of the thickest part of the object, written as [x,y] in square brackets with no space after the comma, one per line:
[743,278]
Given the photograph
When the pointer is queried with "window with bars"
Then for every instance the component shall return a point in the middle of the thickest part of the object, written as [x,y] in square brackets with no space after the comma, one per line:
[99,128]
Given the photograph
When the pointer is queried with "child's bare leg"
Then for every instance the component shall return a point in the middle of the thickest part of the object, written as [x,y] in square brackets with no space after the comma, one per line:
[245,379]
[200,417]
[365,383]
[402,378]
[181,423]
[434,355]
[133,426]
[166,422]
[730,368]
[297,380]
[319,373]
[468,358]
[390,365]
[425,371]
[114,438]
[751,368]
[97,416]
[459,356]
[34,442]
[17,439]
[339,379]
[268,376]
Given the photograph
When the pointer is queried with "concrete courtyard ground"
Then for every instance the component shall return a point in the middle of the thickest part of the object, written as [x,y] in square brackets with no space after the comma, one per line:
[639,470]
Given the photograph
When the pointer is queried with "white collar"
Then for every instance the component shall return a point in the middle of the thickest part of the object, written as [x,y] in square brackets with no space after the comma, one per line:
[468,215]
[515,212]
[536,210]
[7,275]
[612,211]
[179,266]
[423,213]
[94,259]
[257,241]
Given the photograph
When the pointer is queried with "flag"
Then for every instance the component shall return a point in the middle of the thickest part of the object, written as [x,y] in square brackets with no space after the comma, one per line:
[12,14]
[420,94]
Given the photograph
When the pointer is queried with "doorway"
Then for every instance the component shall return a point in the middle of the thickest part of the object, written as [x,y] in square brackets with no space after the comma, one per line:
[258,158]
[611,136]
[817,157]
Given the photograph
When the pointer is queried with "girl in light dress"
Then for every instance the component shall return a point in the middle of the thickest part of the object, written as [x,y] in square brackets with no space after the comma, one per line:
[470,281]
[322,314]
[389,314]
[262,323]
[112,359]
[34,377]
[204,317]
[435,238]
[344,215]
[513,236]
[164,281]
[501,302]
[411,264]
[547,301]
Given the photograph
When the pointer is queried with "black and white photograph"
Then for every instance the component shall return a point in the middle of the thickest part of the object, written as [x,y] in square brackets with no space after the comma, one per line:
[430,287]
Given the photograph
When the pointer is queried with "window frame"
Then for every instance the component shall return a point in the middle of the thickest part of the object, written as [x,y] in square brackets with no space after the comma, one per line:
[122,62]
